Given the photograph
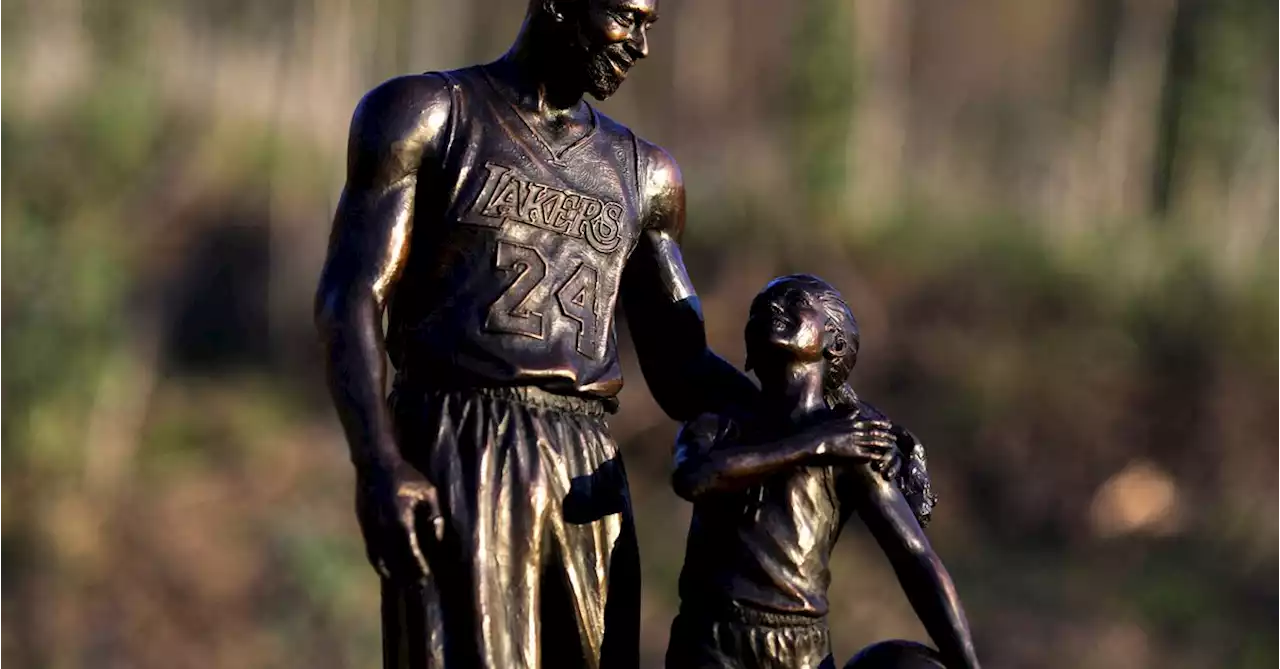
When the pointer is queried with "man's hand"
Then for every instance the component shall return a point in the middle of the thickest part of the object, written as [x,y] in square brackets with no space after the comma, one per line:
[865,441]
[391,499]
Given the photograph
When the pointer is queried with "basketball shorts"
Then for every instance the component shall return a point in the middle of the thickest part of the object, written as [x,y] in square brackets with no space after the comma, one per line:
[539,565]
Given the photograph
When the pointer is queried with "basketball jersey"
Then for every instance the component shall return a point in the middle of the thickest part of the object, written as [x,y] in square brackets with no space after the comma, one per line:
[517,251]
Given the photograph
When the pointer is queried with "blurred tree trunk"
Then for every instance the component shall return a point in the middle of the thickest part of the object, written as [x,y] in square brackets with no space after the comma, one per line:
[821,100]
[1179,67]
[703,74]
[58,54]
[879,117]
[1131,107]
[419,35]
[1217,167]
[438,33]
[1107,160]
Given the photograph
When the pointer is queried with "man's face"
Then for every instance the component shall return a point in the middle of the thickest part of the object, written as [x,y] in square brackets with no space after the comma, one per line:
[786,325]
[612,36]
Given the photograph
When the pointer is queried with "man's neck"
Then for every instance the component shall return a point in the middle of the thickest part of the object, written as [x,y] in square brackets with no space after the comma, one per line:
[535,73]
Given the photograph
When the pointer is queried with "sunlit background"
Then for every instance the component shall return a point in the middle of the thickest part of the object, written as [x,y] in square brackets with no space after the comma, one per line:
[1055,220]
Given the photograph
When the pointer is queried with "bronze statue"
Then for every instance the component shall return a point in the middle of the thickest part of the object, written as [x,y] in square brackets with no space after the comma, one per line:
[771,494]
[498,218]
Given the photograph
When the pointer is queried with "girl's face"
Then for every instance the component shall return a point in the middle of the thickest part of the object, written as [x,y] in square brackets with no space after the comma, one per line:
[785,325]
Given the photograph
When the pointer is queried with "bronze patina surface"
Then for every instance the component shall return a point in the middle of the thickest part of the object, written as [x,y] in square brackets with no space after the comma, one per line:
[772,492]
[498,220]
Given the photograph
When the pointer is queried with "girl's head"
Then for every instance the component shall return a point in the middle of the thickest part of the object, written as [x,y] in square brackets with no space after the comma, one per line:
[801,319]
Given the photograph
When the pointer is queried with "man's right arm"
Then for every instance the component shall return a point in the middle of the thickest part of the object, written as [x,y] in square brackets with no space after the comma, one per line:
[395,128]
[685,377]
[399,127]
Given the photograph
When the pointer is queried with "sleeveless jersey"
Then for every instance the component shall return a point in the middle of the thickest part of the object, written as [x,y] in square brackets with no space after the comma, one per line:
[517,252]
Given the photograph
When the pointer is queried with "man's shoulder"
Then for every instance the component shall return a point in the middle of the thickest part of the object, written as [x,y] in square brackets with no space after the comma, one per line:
[658,168]
[661,186]
[396,126]
[656,164]
[612,126]
[399,122]
[653,160]
[407,93]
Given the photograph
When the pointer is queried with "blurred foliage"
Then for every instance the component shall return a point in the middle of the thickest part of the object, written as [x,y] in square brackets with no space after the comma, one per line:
[821,94]
[1071,295]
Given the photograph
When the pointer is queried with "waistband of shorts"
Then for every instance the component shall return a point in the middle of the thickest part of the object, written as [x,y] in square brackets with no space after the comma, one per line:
[531,396]
[747,614]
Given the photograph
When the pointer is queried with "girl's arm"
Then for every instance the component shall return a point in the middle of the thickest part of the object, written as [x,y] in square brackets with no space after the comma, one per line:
[707,464]
[925,581]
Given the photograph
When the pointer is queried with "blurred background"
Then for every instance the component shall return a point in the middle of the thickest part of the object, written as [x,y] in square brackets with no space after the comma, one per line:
[1055,220]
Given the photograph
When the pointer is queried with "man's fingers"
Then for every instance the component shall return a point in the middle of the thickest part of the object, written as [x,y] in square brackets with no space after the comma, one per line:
[890,466]
[387,552]
[408,527]
[379,565]
[437,527]
[876,454]
[431,502]
[419,559]
[877,439]
[374,532]
[428,514]
[881,453]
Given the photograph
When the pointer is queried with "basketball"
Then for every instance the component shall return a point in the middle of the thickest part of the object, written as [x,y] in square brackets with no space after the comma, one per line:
[896,654]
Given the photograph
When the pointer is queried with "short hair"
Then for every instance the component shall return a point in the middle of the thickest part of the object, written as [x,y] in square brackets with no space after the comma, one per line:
[842,353]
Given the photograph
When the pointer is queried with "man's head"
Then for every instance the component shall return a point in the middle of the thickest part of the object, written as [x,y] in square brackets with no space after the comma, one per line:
[800,320]
[604,38]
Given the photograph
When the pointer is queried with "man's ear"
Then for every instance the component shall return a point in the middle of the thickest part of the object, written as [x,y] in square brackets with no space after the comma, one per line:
[562,10]
[552,8]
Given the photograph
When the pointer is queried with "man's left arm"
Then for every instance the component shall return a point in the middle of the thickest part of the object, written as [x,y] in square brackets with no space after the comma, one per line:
[684,375]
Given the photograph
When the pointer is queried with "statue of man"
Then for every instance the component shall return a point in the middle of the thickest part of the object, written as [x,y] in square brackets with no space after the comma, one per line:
[498,218]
